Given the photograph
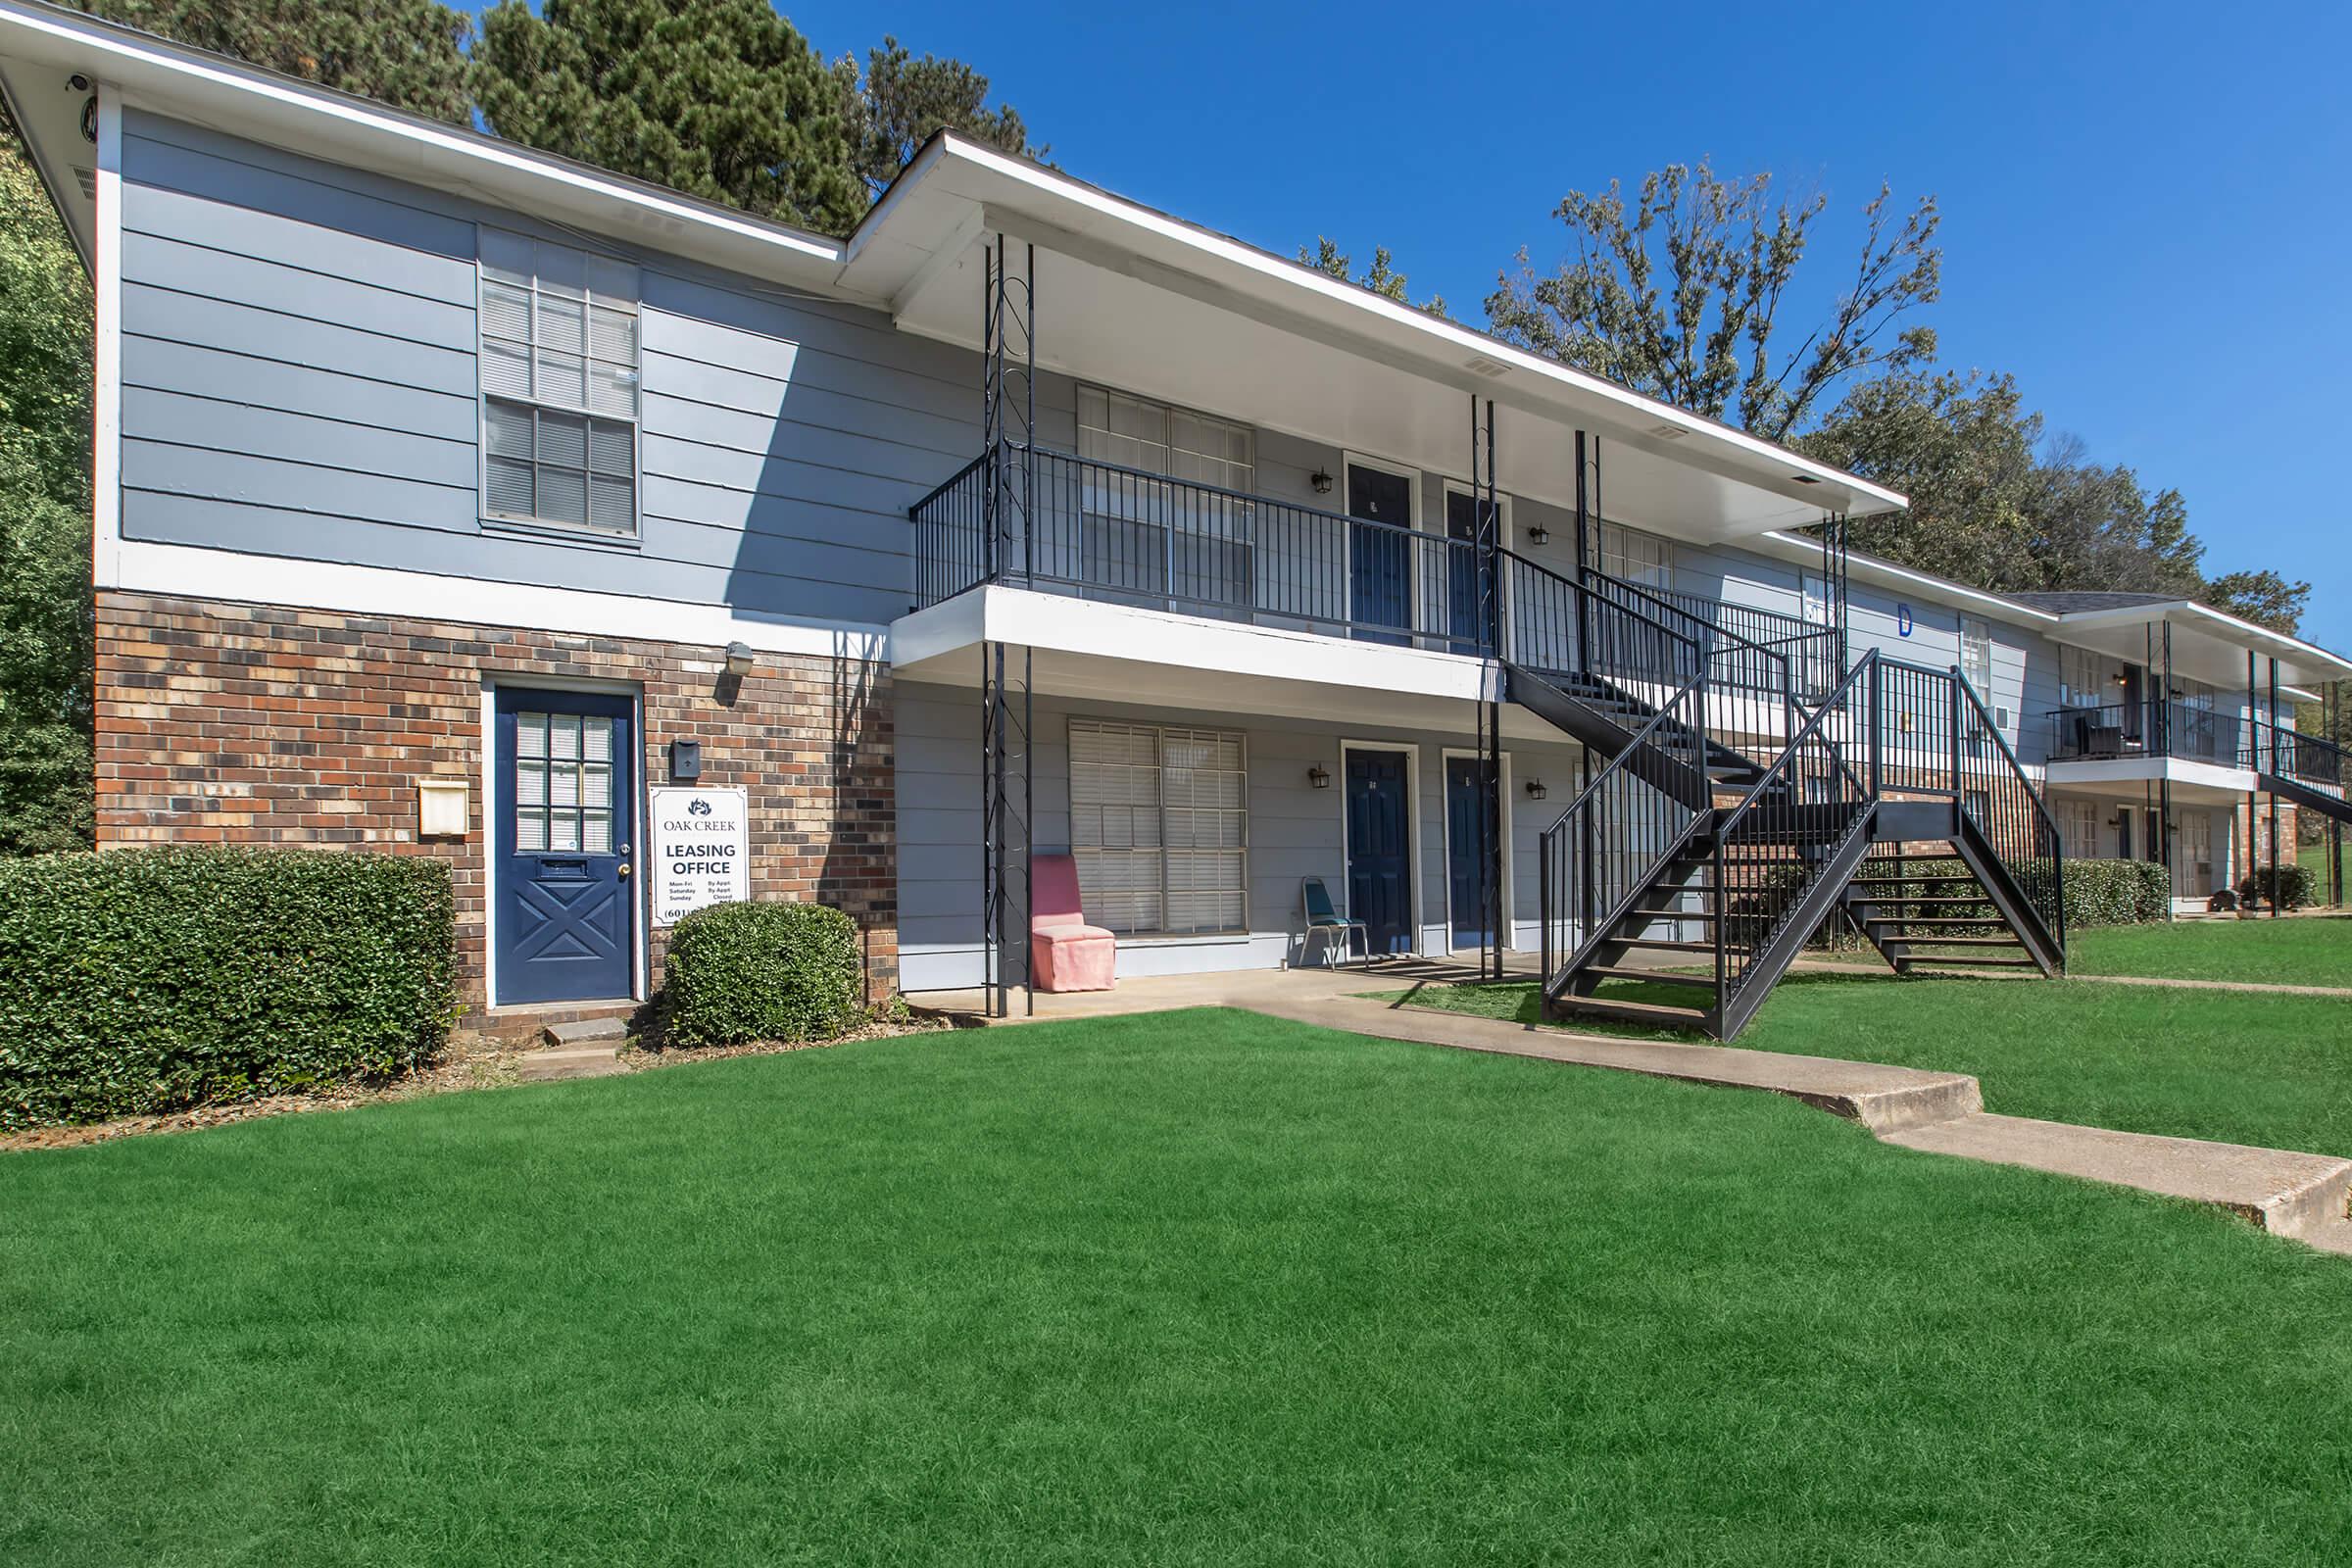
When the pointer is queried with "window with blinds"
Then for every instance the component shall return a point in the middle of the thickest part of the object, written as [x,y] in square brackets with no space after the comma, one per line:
[1976,654]
[1160,826]
[1632,555]
[2082,680]
[559,378]
[1161,540]
[562,784]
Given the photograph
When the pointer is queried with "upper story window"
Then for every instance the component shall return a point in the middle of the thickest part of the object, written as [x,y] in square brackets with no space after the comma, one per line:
[2082,680]
[1160,438]
[558,376]
[1975,653]
[1632,555]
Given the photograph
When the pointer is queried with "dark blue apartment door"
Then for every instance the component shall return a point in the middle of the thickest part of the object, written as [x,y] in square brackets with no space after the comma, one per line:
[1380,857]
[1465,615]
[566,898]
[1380,554]
[1465,844]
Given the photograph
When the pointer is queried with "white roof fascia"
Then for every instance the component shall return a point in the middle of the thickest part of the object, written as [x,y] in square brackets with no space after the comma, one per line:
[207,89]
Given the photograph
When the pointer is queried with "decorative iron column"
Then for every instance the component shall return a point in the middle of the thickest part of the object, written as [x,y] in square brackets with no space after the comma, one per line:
[2274,728]
[1485,503]
[2164,792]
[1008,422]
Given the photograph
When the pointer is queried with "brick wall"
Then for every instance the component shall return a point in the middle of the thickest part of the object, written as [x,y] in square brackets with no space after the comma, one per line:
[236,723]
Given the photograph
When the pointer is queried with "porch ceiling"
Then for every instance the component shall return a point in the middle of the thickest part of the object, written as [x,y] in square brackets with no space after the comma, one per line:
[1134,298]
[2207,645]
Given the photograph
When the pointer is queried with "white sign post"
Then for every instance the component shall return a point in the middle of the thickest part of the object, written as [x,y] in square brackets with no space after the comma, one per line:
[702,850]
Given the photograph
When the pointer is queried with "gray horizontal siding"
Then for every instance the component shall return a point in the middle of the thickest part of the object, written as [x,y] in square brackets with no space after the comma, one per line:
[300,380]
[1295,829]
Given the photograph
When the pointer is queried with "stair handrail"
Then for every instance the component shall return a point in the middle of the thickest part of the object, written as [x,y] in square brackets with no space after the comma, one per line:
[1812,725]
[2049,823]
[1728,988]
[1763,651]
[1641,743]
[1504,552]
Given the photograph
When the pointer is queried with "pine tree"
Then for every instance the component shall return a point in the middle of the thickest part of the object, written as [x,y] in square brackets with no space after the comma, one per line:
[722,99]
[409,54]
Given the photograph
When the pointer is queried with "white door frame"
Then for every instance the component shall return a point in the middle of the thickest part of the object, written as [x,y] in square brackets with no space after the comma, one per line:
[1505,937]
[640,900]
[1414,922]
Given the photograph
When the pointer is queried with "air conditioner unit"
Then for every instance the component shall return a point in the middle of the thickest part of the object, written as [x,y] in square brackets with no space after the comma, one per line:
[2000,718]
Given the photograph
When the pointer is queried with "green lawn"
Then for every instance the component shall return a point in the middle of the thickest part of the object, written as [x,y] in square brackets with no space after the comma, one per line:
[1199,1287]
[2305,951]
[2238,1066]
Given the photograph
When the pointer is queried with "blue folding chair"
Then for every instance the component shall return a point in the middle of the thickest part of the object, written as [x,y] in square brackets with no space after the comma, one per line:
[1324,920]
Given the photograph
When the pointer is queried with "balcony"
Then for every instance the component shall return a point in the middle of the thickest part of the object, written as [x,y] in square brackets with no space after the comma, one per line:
[1105,533]
[2126,731]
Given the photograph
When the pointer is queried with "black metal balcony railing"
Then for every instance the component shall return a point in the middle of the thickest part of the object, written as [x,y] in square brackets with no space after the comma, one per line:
[2150,728]
[1102,531]
[2288,753]
[1124,535]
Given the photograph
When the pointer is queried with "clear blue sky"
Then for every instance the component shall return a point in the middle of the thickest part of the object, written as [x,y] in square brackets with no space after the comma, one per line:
[2146,217]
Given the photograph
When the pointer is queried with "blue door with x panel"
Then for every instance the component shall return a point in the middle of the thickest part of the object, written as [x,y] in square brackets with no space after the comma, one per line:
[565,901]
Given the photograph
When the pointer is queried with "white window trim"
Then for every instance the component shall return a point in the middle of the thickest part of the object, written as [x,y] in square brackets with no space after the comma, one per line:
[1162,933]
[1415,924]
[1964,636]
[582,532]
[1507,937]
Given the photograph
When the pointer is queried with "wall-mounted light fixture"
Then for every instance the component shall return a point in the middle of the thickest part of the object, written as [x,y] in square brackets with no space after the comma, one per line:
[1322,481]
[739,660]
[1538,534]
[1319,776]
[1536,790]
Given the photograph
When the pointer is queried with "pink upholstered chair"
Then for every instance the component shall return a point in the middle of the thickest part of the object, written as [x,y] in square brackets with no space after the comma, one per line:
[1065,953]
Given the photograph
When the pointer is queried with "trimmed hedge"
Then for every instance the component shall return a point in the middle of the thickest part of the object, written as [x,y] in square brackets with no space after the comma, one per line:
[2097,892]
[738,972]
[2115,893]
[2286,886]
[143,980]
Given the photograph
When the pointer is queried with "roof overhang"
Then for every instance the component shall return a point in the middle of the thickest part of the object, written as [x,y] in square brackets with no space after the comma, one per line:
[1165,308]
[2208,644]
[1922,584]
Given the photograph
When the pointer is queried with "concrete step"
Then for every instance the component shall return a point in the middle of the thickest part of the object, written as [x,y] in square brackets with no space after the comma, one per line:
[585,1031]
[596,1059]
[2289,1194]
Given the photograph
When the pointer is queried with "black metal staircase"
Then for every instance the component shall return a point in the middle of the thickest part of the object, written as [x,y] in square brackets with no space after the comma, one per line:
[1720,835]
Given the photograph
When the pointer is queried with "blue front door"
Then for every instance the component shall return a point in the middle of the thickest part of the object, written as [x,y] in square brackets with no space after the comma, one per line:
[1465,615]
[1380,859]
[1465,844]
[565,897]
[1380,556]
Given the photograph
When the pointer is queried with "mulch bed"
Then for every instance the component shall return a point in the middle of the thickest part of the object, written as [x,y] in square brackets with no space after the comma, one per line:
[468,1062]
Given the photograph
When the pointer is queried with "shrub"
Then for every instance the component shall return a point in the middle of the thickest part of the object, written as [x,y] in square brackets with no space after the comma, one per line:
[143,980]
[2285,887]
[2115,893]
[761,972]
[2222,902]
[2097,892]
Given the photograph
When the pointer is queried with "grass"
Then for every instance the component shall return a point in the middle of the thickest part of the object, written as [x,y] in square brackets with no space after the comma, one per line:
[2305,951]
[1198,1287]
[2237,1066]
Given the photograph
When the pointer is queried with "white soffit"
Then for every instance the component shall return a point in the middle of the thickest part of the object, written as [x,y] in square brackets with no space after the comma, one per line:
[2208,644]
[1161,306]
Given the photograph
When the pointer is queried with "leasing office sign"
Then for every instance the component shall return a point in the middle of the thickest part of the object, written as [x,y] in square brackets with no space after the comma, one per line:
[702,850]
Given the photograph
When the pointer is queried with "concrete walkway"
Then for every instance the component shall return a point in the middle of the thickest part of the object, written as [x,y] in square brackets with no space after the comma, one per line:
[2168,982]
[2304,1196]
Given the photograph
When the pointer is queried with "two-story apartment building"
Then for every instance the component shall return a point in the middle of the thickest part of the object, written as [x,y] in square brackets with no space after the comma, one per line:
[456,499]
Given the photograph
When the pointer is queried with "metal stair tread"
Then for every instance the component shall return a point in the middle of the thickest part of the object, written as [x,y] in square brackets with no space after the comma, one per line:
[1604,971]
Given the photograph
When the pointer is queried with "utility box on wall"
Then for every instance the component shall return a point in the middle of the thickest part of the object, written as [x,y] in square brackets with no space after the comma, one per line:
[443,808]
